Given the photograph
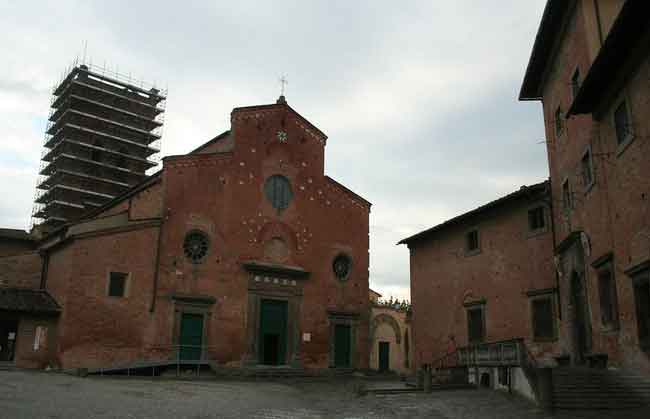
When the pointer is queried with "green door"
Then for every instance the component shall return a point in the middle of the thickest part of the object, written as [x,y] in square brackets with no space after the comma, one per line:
[384,356]
[191,336]
[342,341]
[273,332]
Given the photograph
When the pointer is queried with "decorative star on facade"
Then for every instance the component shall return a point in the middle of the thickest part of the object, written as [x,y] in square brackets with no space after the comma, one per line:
[282,136]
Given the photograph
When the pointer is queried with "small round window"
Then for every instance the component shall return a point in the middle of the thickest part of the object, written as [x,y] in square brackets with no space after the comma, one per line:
[342,266]
[196,246]
[278,191]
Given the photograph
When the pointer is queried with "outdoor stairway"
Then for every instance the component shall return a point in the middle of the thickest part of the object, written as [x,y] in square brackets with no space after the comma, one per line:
[7,366]
[588,388]
[279,372]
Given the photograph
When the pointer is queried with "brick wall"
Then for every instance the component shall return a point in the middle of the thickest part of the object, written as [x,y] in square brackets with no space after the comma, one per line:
[21,271]
[444,277]
[614,211]
[222,195]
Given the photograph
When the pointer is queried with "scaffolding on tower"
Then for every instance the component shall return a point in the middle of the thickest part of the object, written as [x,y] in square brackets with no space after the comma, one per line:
[103,136]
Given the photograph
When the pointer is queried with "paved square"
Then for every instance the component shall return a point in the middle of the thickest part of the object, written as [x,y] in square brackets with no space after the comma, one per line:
[56,396]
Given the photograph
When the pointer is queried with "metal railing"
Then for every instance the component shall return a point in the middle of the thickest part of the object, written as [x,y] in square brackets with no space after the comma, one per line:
[169,356]
[512,352]
[500,353]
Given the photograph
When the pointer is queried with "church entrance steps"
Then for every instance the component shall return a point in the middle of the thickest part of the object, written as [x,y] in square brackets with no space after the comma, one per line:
[587,388]
[7,366]
[411,387]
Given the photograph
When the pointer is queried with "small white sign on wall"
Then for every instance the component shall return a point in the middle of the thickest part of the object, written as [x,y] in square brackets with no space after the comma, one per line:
[12,336]
[306,337]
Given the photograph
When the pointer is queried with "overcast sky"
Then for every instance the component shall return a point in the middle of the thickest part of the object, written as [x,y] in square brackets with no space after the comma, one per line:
[418,98]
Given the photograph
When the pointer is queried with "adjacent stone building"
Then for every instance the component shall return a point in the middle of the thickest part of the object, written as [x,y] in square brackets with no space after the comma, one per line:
[26,311]
[242,252]
[486,276]
[391,348]
[590,68]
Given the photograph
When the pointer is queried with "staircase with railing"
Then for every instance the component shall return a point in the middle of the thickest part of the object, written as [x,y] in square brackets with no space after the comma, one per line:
[560,387]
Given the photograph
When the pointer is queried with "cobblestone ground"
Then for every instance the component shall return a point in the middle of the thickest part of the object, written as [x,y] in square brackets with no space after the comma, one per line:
[56,396]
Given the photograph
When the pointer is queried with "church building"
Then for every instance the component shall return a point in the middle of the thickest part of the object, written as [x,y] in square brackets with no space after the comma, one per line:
[241,252]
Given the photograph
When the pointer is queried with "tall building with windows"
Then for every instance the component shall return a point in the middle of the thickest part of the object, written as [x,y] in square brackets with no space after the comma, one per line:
[590,68]
[103,134]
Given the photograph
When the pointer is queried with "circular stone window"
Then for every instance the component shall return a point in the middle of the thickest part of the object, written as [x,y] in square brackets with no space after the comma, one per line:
[342,266]
[196,246]
[278,191]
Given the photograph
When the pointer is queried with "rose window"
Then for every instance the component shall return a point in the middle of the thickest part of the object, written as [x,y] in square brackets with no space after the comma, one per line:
[196,246]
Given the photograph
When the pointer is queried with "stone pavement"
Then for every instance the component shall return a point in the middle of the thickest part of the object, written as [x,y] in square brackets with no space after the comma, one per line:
[55,396]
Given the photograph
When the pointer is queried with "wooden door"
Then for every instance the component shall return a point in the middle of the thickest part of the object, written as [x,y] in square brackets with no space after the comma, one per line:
[342,345]
[384,356]
[191,336]
[273,332]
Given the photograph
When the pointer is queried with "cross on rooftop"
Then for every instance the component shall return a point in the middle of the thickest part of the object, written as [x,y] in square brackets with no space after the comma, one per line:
[283,83]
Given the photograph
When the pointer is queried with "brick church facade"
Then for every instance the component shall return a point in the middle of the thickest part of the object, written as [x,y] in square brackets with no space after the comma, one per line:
[242,252]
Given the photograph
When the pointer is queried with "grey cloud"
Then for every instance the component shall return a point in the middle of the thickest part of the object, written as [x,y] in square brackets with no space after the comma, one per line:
[418,97]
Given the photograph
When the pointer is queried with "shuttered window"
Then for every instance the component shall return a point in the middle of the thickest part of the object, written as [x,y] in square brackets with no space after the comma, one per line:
[476,324]
[117,284]
[536,219]
[642,300]
[278,191]
[622,123]
[543,320]
[472,243]
[608,298]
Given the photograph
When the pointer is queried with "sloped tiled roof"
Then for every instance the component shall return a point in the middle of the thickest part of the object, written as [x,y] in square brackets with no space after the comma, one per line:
[28,301]
[14,234]
[522,192]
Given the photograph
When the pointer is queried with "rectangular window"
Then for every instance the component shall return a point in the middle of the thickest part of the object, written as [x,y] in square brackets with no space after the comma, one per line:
[566,195]
[40,337]
[543,318]
[475,324]
[117,284]
[622,123]
[559,122]
[575,83]
[587,169]
[536,219]
[608,297]
[472,242]
[642,300]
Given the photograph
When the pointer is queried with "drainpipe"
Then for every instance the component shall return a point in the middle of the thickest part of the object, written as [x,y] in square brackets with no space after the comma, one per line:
[154,291]
[554,239]
[45,256]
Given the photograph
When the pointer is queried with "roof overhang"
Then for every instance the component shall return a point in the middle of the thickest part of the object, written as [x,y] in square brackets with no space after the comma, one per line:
[28,301]
[625,48]
[550,29]
[537,191]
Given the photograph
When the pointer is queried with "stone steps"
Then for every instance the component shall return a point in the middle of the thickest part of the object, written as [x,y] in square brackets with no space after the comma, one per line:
[582,388]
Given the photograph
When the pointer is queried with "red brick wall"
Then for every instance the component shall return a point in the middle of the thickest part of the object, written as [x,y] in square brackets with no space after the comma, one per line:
[95,329]
[614,212]
[222,195]
[9,247]
[27,355]
[443,278]
[21,271]
[147,204]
